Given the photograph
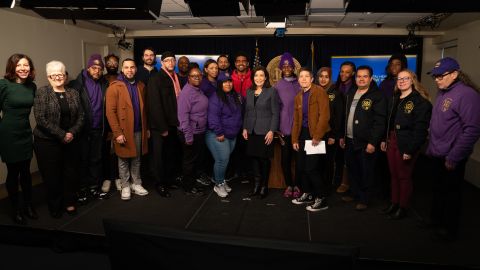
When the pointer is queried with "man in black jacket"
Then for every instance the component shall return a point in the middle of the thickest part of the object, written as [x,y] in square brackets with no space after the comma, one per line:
[92,86]
[161,100]
[366,110]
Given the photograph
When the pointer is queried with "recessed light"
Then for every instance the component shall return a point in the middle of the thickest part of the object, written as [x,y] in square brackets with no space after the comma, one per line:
[171,26]
[355,24]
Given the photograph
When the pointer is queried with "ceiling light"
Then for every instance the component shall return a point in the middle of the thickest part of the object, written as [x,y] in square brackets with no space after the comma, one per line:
[355,24]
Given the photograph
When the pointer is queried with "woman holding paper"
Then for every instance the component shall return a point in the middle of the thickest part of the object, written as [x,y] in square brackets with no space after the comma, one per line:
[310,124]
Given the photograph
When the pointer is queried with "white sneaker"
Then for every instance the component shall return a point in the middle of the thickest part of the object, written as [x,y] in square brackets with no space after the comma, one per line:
[227,187]
[125,193]
[139,190]
[220,190]
[118,184]
[106,186]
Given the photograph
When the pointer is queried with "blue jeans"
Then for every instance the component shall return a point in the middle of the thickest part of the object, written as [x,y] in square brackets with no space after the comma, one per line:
[221,154]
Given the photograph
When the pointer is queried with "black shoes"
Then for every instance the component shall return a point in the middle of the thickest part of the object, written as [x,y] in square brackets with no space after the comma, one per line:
[392,208]
[56,214]
[263,192]
[194,192]
[18,218]
[443,235]
[163,191]
[399,214]
[30,212]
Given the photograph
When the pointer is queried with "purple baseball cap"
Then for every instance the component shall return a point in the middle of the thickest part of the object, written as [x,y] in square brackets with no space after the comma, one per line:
[443,65]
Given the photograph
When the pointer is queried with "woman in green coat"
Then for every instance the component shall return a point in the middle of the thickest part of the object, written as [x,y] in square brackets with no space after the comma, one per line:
[17,91]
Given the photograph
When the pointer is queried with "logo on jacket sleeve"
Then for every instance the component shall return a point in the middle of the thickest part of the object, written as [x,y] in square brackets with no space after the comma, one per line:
[446,104]
[409,107]
[331,97]
[367,104]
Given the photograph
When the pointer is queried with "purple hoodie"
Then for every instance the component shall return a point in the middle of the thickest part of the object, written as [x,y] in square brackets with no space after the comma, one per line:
[455,123]
[208,88]
[192,111]
[225,119]
[287,90]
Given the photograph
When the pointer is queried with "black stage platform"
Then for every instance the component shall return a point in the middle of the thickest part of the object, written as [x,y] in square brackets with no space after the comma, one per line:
[381,243]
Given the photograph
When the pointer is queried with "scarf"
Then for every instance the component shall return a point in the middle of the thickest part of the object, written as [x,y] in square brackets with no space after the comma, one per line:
[176,83]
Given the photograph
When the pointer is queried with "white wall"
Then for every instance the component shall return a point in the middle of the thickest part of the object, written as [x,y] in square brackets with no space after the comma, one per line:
[462,43]
[43,41]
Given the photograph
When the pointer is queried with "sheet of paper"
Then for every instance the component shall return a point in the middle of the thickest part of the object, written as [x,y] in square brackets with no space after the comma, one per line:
[314,150]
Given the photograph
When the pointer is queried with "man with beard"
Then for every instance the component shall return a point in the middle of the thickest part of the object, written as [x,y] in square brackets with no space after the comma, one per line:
[183,63]
[91,86]
[148,69]
[223,68]
[111,65]
[110,165]
[241,76]
[129,127]
[161,100]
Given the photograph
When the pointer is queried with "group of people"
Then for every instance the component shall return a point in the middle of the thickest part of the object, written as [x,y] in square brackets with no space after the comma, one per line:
[141,122]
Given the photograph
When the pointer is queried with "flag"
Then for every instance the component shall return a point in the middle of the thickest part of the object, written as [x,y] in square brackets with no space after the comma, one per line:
[312,58]
[256,60]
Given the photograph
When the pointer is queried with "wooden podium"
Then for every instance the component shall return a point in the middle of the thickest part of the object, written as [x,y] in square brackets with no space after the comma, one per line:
[276,179]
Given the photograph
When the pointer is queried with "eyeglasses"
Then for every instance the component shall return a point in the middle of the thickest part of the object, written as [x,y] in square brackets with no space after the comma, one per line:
[404,79]
[440,77]
[196,76]
[57,76]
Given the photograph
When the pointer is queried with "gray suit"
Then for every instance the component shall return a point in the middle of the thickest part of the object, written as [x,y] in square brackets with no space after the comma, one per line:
[263,116]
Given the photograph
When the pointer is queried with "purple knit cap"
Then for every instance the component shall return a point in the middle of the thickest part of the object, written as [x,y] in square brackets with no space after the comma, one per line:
[95,59]
[286,58]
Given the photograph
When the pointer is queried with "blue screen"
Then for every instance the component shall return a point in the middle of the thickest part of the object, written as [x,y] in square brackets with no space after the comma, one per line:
[377,62]
[199,59]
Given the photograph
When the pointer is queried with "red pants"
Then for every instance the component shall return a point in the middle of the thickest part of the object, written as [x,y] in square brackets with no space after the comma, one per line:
[401,173]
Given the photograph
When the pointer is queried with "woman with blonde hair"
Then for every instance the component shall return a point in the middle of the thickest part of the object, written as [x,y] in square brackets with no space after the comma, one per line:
[409,117]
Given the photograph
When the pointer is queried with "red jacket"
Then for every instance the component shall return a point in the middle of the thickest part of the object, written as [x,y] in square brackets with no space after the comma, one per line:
[241,82]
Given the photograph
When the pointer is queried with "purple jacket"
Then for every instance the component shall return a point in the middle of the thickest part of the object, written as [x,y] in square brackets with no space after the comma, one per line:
[287,91]
[225,119]
[455,123]
[208,88]
[192,111]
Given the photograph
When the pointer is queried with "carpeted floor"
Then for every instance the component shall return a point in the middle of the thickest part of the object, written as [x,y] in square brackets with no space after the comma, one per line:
[275,217]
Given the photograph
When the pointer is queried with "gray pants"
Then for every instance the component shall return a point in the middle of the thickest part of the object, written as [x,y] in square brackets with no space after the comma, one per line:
[131,166]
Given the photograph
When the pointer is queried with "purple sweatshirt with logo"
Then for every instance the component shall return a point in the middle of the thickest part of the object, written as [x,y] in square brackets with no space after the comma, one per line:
[192,111]
[287,90]
[455,123]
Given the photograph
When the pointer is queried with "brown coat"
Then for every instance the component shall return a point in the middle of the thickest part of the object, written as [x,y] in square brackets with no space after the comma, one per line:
[318,114]
[120,116]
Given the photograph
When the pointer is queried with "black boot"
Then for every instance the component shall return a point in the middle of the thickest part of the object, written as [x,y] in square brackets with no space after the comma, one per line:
[18,217]
[392,208]
[256,187]
[263,192]
[264,188]
[399,214]
[30,211]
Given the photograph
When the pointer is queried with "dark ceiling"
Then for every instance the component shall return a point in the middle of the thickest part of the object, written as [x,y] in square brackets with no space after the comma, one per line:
[150,9]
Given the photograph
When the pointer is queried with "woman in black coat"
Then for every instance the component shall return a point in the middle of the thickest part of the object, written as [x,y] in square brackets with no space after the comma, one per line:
[408,121]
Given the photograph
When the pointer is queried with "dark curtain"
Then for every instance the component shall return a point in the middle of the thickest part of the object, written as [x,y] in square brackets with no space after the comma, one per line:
[270,47]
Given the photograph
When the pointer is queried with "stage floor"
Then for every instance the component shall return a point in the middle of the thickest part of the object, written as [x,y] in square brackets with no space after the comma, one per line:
[274,217]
